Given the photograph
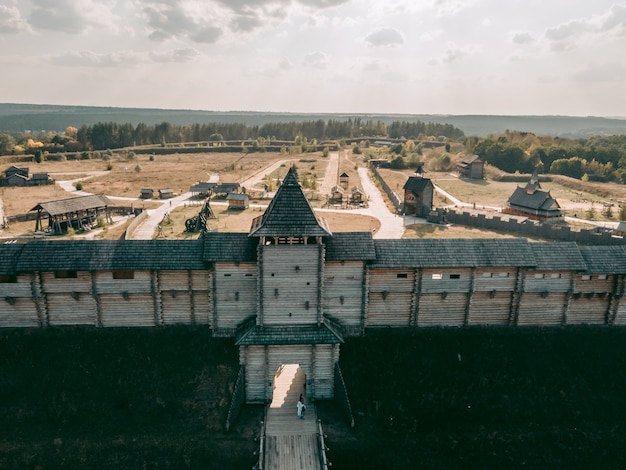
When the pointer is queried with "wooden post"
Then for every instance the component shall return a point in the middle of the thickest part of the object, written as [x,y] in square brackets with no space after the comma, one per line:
[96,297]
[520,275]
[192,304]
[470,294]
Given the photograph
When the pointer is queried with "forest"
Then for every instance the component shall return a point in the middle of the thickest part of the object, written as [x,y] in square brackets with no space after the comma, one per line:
[111,135]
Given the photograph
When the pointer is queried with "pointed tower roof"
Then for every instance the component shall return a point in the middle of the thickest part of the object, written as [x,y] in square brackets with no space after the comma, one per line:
[533,184]
[289,214]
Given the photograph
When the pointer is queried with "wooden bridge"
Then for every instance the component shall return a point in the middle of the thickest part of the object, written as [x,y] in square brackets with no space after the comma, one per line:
[288,442]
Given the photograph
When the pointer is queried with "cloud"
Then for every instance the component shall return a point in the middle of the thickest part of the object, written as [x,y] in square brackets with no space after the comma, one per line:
[319,4]
[566,35]
[523,38]
[185,54]
[208,34]
[452,53]
[246,22]
[317,60]
[207,22]
[11,22]
[385,37]
[69,16]
[92,59]
[565,31]
[615,19]
[451,7]
[179,20]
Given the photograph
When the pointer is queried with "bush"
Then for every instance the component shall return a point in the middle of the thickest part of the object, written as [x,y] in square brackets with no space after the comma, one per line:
[79,186]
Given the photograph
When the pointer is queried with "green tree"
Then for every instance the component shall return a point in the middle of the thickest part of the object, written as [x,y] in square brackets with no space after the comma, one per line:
[7,143]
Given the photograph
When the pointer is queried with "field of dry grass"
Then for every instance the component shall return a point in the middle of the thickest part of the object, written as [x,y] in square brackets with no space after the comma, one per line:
[240,221]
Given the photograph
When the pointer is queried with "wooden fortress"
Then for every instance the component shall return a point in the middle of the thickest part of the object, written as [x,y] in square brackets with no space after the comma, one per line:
[290,290]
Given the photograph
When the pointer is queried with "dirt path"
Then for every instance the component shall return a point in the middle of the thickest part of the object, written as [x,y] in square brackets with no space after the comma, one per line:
[256,179]
[391,225]
[146,230]
[330,176]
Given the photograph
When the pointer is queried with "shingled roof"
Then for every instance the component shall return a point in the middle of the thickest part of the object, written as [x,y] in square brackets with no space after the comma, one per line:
[416,184]
[103,255]
[453,253]
[558,256]
[229,247]
[534,200]
[74,204]
[289,214]
[350,246]
[604,259]
[252,334]
[9,254]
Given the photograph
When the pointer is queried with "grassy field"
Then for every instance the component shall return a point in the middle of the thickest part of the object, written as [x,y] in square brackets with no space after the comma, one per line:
[85,398]
[575,197]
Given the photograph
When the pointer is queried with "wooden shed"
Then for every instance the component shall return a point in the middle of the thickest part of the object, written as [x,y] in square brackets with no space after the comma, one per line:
[238,201]
[79,213]
[356,196]
[344,180]
[41,179]
[146,193]
[472,166]
[336,195]
[166,193]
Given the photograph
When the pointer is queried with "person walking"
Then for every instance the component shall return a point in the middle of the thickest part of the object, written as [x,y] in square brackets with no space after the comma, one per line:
[300,409]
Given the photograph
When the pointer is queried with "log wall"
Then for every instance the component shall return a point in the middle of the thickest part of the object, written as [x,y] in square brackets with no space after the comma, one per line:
[235,294]
[290,284]
[17,307]
[343,293]
[390,297]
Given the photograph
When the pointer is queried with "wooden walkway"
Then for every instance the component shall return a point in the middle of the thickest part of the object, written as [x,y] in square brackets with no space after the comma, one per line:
[291,443]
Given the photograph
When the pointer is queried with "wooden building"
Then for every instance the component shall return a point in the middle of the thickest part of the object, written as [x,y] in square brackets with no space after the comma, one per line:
[15,170]
[166,193]
[78,213]
[344,180]
[418,196]
[16,176]
[356,196]
[16,179]
[533,202]
[238,201]
[336,195]
[289,291]
[472,166]
[146,193]
[202,189]
[226,188]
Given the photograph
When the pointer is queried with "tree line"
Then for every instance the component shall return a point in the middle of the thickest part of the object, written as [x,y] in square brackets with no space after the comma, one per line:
[112,135]
[600,158]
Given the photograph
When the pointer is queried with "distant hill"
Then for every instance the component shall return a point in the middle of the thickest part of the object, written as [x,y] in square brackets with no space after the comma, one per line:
[23,117]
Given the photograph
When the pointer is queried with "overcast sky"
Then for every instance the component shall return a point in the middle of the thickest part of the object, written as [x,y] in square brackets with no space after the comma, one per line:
[546,57]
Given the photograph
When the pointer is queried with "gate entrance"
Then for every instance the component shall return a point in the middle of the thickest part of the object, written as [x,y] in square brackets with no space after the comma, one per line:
[289,384]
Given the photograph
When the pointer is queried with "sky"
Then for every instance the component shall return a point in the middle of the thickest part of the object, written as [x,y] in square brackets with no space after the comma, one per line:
[506,57]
